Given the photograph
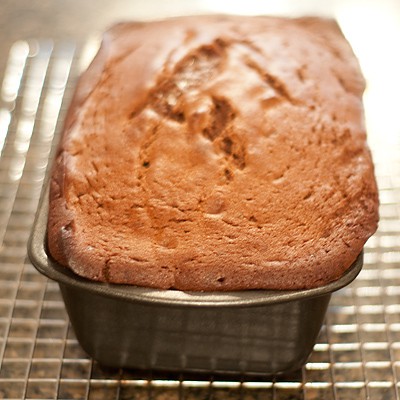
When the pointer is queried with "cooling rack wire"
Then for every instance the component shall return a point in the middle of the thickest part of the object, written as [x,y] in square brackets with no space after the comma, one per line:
[357,355]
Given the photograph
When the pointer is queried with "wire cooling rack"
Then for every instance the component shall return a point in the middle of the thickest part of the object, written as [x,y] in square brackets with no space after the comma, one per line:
[357,355]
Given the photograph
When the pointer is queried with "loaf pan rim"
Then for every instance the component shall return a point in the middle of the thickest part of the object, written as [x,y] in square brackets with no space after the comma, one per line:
[49,267]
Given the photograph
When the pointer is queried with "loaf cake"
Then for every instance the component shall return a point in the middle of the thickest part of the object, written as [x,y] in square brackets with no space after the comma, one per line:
[212,153]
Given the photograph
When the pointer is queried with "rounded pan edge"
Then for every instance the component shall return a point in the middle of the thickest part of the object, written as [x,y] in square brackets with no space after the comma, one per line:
[48,267]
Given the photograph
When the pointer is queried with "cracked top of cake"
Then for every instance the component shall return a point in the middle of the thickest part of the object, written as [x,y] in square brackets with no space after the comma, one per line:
[215,153]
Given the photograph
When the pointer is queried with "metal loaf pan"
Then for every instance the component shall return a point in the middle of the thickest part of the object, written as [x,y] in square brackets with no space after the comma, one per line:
[249,332]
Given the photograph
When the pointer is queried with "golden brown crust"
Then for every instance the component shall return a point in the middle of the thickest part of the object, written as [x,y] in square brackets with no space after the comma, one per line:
[215,153]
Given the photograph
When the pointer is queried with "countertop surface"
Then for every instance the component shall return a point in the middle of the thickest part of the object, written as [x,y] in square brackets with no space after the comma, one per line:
[44,46]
